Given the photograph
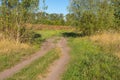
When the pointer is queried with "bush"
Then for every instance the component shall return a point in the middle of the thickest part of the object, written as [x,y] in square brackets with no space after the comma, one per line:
[31,37]
[88,23]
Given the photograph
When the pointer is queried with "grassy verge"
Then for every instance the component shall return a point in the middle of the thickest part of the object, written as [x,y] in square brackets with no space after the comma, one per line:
[88,62]
[38,68]
[12,53]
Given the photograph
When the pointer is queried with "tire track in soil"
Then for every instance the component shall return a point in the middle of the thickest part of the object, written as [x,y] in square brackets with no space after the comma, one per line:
[46,46]
[59,66]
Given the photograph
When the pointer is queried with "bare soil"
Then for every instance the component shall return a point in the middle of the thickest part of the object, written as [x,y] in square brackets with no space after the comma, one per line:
[59,66]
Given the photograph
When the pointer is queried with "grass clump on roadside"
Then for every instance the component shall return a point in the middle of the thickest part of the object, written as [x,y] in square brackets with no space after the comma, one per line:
[11,53]
[38,68]
[88,62]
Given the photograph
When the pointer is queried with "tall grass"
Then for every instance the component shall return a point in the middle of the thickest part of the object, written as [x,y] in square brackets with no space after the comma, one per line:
[110,42]
[7,46]
[88,62]
[11,53]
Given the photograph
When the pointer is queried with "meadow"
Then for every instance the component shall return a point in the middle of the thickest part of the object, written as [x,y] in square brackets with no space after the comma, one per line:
[50,33]
[90,62]
[85,32]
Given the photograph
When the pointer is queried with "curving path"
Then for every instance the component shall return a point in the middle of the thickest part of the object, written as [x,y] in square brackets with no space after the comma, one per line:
[58,67]
[55,70]
[46,46]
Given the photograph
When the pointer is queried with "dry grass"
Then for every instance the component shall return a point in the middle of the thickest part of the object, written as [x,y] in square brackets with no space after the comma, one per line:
[48,27]
[110,42]
[107,38]
[11,46]
[12,53]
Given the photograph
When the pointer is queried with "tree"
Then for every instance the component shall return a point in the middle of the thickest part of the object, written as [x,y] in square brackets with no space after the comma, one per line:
[116,4]
[56,19]
[14,15]
[92,15]
[88,23]
[71,20]
[106,15]
[50,19]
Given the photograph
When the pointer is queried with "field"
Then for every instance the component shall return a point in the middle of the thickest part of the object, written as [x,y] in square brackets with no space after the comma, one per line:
[50,33]
[62,40]
[95,57]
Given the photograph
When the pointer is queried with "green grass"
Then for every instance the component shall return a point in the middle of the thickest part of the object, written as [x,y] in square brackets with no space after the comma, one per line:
[50,33]
[11,58]
[38,68]
[88,62]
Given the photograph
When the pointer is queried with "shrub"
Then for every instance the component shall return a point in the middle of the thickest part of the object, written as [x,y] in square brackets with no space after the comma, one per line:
[31,37]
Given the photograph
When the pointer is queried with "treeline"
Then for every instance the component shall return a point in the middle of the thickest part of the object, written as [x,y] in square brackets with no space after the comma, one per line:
[50,19]
[91,16]
[88,16]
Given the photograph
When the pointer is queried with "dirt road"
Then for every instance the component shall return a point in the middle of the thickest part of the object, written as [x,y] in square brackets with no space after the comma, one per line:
[46,46]
[55,69]
[58,67]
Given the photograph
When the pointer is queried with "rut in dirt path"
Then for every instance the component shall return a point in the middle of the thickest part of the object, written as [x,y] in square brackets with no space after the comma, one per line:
[47,46]
[59,66]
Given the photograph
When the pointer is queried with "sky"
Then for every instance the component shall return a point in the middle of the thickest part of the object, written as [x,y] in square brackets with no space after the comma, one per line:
[57,6]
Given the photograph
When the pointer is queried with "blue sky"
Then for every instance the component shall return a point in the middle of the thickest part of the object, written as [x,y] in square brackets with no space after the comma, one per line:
[57,6]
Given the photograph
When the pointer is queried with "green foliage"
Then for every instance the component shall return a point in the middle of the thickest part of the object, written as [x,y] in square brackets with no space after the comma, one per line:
[71,20]
[91,16]
[31,37]
[50,19]
[89,62]
[14,16]
[88,23]
[116,4]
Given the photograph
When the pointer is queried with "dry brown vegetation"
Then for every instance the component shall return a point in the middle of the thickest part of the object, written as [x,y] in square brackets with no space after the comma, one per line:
[12,52]
[109,41]
[48,27]
[7,46]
